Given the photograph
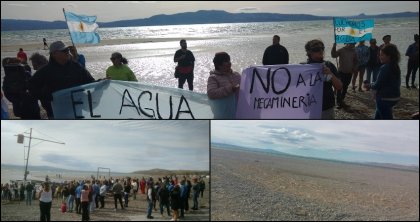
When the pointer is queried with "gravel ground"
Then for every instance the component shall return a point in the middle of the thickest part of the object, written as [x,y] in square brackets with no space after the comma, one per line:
[251,186]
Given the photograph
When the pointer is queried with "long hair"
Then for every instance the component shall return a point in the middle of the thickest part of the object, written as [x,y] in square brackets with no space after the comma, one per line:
[395,57]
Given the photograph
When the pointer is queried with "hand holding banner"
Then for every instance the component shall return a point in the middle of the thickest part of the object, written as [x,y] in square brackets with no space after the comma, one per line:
[281,92]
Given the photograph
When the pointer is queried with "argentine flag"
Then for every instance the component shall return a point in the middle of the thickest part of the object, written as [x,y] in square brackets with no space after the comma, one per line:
[82,28]
[347,31]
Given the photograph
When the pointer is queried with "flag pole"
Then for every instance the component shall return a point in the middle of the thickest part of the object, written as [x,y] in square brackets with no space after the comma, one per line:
[335,41]
[64,12]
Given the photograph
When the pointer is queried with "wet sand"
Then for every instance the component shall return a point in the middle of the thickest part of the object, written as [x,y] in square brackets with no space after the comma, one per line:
[254,186]
[136,211]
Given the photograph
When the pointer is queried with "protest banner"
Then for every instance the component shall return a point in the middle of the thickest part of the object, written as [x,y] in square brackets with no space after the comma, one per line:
[111,99]
[281,92]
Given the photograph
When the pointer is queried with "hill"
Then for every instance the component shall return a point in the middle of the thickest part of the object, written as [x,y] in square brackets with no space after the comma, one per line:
[199,17]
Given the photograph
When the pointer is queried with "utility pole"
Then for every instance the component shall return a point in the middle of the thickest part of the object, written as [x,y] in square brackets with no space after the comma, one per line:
[20,140]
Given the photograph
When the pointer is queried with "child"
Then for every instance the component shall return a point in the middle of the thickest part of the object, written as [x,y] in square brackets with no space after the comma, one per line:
[63,207]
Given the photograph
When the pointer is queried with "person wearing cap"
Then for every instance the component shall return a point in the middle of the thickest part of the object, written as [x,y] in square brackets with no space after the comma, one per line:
[374,63]
[413,62]
[276,54]
[347,66]
[315,52]
[119,69]
[61,72]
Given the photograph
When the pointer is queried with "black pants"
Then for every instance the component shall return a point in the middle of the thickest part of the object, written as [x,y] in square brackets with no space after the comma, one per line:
[201,191]
[45,209]
[345,79]
[186,77]
[411,70]
[119,197]
[102,199]
[85,211]
[78,206]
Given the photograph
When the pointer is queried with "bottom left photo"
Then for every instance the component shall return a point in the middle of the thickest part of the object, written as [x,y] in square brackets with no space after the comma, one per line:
[105,170]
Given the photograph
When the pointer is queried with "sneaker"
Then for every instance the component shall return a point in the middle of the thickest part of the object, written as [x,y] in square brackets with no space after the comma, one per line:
[360,90]
[414,87]
[149,217]
[353,88]
[172,219]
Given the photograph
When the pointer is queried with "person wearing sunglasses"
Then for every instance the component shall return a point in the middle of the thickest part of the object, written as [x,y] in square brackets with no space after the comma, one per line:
[315,52]
[61,72]
[119,69]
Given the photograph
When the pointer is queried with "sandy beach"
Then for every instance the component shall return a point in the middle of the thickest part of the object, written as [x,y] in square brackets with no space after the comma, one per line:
[136,211]
[255,186]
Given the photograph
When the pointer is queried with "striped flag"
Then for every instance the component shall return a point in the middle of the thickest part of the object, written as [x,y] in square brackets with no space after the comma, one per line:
[347,31]
[82,28]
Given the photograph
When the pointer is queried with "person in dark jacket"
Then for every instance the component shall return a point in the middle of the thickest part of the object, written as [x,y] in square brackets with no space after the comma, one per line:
[276,54]
[387,85]
[413,62]
[185,69]
[315,52]
[61,72]
[374,64]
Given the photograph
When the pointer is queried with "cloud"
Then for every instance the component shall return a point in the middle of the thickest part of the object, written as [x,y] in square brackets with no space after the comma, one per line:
[18,5]
[66,160]
[248,9]
[291,135]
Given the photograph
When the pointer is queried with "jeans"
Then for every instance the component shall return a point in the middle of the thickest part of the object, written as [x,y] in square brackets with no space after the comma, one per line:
[92,205]
[119,197]
[186,77]
[125,199]
[372,70]
[70,201]
[78,205]
[149,208]
[195,200]
[166,204]
[29,198]
[85,211]
[45,209]
[411,70]
[345,79]
[384,108]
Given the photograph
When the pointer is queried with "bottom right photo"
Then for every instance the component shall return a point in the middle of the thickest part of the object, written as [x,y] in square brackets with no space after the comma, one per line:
[315,170]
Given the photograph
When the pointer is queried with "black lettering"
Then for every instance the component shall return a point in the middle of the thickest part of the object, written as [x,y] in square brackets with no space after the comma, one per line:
[74,103]
[300,80]
[90,106]
[265,87]
[317,79]
[288,81]
[157,106]
[302,100]
[131,99]
[141,109]
[186,111]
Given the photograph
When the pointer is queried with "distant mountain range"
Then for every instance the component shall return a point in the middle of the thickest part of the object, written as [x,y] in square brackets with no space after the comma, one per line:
[199,17]
[274,152]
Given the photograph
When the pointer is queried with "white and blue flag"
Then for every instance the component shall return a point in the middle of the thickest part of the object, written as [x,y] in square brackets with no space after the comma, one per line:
[82,28]
[347,31]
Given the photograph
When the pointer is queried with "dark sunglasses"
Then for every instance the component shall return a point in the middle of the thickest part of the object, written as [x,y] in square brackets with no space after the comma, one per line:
[317,49]
[66,50]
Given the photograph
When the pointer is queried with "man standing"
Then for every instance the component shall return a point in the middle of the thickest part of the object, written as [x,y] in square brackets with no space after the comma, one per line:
[413,62]
[117,190]
[185,69]
[29,189]
[61,72]
[276,53]
[347,66]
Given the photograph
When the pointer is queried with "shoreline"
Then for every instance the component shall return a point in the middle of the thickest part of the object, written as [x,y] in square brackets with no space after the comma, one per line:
[306,189]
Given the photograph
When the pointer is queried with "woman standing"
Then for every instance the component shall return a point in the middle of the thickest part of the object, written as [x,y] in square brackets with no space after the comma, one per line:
[175,202]
[223,84]
[45,201]
[119,70]
[387,85]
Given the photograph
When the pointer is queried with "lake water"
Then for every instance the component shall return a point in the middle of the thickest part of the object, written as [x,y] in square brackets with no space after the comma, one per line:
[152,62]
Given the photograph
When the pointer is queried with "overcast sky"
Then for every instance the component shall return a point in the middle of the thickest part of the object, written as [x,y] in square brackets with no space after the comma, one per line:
[362,141]
[112,11]
[123,146]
